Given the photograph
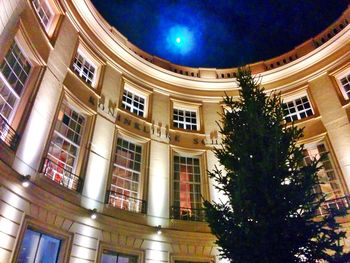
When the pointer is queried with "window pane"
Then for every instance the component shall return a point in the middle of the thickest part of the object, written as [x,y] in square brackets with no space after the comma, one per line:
[114,257]
[125,176]
[64,147]
[48,249]
[29,246]
[185,119]
[187,188]
[297,109]
[327,175]
[84,69]
[133,103]
[39,248]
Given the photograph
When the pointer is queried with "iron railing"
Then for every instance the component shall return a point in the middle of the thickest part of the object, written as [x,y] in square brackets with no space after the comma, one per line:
[186,213]
[7,134]
[334,205]
[126,202]
[62,176]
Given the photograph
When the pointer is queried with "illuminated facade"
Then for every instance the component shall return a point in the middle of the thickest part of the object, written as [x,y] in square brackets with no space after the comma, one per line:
[99,124]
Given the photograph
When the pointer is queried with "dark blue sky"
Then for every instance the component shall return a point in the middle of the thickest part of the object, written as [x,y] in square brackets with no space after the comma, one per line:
[219,33]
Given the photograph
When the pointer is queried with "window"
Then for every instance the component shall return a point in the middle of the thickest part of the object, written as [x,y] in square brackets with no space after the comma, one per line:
[125,187]
[297,109]
[84,68]
[43,11]
[64,147]
[15,70]
[133,103]
[37,247]
[185,119]
[114,257]
[329,183]
[187,188]
[345,82]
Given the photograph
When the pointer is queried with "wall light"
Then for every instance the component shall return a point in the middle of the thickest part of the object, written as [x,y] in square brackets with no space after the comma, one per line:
[93,214]
[159,229]
[25,180]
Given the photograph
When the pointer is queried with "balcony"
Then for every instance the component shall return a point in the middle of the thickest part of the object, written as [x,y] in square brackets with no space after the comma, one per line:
[340,204]
[7,134]
[64,177]
[126,202]
[188,214]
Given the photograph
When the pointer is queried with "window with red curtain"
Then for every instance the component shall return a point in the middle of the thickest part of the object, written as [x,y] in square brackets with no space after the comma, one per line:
[187,185]
[65,145]
[126,176]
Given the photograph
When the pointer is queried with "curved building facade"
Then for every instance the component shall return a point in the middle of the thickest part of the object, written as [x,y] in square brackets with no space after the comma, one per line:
[90,125]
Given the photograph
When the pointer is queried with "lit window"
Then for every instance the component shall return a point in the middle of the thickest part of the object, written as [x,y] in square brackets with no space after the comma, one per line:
[297,109]
[124,191]
[133,103]
[64,147]
[38,247]
[187,203]
[43,10]
[345,82]
[14,72]
[114,257]
[85,69]
[185,119]
[329,183]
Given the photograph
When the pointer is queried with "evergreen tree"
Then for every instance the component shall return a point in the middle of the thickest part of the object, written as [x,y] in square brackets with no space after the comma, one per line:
[269,215]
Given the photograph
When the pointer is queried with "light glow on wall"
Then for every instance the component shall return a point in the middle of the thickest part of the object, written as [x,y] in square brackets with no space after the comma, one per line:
[158,182]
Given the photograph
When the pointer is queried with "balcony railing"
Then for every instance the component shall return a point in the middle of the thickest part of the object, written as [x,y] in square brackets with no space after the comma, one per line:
[339,204]
[126,202]
[62,176]
[7,134]
[189,214]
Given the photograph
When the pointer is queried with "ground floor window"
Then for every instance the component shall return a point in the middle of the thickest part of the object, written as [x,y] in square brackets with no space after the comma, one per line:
[37,247]
[114,257]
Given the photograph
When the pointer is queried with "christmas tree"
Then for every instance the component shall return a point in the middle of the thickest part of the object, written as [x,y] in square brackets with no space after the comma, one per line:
[270,212]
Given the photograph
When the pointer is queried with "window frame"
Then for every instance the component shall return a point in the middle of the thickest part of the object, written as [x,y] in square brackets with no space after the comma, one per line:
[57,13]
[187,106]
[204,181]
[22,109]
[81,157]
[94,60]
[119,249]
[344,73]
[287,98]
[194,259]
[35,225]
[20,96]
[143,179]
[332,158]
[140,92]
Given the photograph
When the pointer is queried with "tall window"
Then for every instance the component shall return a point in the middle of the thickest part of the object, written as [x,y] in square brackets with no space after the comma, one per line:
[187,188]
[185,119]
[64,147]
[297,109]
[43,10]
[37,247]
[126,175]
[84,68]
[329,183]
[14,72]
[114,257]
[133,103]
[345,82]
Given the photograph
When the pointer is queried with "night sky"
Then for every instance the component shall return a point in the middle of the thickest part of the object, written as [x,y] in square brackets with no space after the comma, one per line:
[219,33]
